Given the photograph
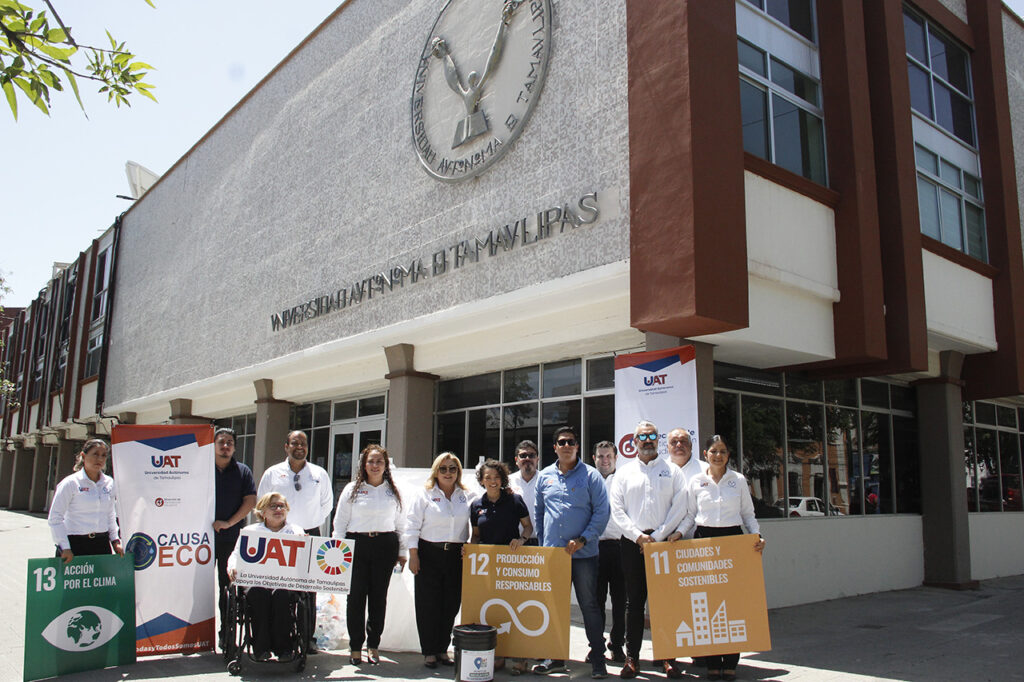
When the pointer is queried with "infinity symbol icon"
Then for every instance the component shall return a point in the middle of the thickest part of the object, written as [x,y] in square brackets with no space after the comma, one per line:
[506,626]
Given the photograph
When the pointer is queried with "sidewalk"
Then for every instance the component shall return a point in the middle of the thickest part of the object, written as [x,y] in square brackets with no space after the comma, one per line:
[919,634]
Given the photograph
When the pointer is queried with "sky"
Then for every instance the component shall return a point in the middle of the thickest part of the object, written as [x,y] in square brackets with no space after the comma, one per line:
[59,175]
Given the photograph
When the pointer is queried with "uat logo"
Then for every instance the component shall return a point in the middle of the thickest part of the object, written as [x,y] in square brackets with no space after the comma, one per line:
[655,380]
[259,549]
[163,461]
[627,448]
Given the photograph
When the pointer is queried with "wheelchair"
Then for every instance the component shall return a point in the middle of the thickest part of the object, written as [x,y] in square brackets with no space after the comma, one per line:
[238,634]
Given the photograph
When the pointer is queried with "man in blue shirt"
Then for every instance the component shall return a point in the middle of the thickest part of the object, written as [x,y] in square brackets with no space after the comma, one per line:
[571,512]
[235,493]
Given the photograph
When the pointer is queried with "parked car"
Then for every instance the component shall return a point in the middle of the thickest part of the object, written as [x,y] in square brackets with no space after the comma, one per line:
[803,506]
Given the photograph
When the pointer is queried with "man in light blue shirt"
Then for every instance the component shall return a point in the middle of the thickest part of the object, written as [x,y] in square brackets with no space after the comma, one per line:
[571,512]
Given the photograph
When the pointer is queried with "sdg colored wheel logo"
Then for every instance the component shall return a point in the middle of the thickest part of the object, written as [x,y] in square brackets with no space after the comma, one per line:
[334,557]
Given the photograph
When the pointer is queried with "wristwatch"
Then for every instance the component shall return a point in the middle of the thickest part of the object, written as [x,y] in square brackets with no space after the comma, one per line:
[581,540]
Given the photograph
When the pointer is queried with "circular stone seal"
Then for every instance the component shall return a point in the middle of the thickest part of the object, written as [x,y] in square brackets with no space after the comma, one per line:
[477,81]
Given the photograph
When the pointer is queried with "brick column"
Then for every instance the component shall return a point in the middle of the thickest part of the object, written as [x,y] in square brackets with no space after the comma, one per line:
[272,425]
[21,481]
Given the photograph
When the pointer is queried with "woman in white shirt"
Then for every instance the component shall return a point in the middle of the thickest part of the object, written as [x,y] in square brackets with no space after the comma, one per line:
[370,512]
[436,528]
[82,516]
[719,502]
[270,610]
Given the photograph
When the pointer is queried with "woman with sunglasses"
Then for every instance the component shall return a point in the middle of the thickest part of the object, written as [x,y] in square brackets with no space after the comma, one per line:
[718,504]
[270,610]
[497,517]
[370,512]
[82,516]
[435,530]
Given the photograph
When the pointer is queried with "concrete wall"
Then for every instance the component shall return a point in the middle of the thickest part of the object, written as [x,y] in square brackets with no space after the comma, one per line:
[959,306]
[996,547]
[809,560]
[313,183]
[1013,37]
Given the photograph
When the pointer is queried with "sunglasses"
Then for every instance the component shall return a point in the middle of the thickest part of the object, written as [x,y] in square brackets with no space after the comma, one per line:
[566,441]
[451,469]
[647,436]
[298,486]
[526,455]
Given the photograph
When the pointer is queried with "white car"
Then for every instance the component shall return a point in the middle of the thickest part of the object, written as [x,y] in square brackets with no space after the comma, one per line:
[803,506]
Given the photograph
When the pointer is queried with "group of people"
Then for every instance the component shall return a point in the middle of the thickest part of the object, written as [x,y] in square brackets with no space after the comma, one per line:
[600,516]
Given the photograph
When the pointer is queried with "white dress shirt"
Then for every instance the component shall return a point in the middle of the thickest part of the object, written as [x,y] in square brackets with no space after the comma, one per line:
[436,518]
[308,507]
[288,529]
[612,530]
[719,505]
[81,506]
[526,490]
[648,495]
[375,509]
[694,466]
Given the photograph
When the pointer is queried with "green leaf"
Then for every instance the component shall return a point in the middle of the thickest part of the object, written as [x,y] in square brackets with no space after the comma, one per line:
[57,35]
[36,93]
[12,100]
[138,66]
[74,88]
[61,54]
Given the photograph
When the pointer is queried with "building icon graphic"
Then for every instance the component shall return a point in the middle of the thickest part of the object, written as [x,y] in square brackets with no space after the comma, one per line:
[717,629]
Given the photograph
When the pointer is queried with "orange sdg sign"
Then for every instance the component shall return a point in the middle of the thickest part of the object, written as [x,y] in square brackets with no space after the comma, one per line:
[710,597]
[524,593]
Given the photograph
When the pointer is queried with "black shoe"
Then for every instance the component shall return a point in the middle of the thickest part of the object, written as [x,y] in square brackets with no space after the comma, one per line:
[598,670]
[628,668]
[445,661]
[430,664]
[549,667]
[262,656]
[669,668]
[312,649]
[618,655]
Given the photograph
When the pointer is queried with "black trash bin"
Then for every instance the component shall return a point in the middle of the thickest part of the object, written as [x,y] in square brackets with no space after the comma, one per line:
[474,652]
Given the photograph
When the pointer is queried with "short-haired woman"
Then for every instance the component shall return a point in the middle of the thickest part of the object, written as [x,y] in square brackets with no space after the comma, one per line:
[435,530]
[270,609]
[82,517]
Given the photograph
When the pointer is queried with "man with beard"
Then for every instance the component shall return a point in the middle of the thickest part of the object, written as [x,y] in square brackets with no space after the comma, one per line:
[524,481]
[648,501]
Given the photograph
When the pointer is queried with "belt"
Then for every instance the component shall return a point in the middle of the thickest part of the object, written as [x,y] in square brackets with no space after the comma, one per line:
[91,536]
[443,546]
[372,533]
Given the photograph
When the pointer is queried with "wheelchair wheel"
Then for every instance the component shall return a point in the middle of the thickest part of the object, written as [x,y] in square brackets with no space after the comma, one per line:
[235,668]
[230,627]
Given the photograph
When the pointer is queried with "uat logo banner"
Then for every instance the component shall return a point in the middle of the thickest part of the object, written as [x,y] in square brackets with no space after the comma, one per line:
[307,563]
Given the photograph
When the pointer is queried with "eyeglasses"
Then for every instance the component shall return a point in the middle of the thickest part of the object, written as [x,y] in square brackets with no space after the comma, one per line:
[277,506]
[451,469]
[526,455]
[298,486]
[562,442]
[647,436]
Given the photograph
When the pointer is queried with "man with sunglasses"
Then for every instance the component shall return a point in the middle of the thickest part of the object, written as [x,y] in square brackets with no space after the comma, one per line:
[524,481]
[571,512]
[307,487]
[648,501]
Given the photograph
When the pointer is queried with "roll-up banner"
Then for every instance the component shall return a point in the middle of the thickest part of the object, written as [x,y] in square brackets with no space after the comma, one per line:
[164,483]
[660,387]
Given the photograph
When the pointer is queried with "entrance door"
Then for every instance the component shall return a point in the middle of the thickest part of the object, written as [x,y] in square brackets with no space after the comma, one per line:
[347,441]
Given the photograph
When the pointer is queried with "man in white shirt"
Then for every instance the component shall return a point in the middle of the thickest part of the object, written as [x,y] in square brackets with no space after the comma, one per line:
[680,451]
[524,481]
[610,578]
[648,500]
[306,486]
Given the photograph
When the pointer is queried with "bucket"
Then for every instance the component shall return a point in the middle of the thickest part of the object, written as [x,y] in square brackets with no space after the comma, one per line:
[474,652]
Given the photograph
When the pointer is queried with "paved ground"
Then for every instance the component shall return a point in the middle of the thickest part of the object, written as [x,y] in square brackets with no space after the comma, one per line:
[920,634]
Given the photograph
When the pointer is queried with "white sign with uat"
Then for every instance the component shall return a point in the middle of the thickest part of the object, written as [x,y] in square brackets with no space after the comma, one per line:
[306,563]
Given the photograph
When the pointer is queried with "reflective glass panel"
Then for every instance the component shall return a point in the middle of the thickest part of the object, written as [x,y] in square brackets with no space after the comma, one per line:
[747,379]
[343,445]
[970,469]
[483,389]
[727,407]
[600,373]
[799,140]
[949,207]
[1006,416]
[555,414]
[754,110]
[600,423]
[522,384]
[797,14]
[797,83]
[451,435]
[843,459]
[751,57]
[484,430]
[953,112]
[874,394]
[949,62]
[805,457]
[301,417]
[972,185]
[985,413]
[977,244]
[876,463]
[928,208]
[1009,470]
[986,450]
[519,423]
[920,90]
[345,410]
[562,378]
[322,413]
[841,392]
[762,462]
[371,406]
[926,160]
[319,444]
[797,386]
[903,398]
[906,467]
[913,33]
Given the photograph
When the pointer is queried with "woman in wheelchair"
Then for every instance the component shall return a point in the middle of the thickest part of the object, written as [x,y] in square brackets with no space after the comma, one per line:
[271,611]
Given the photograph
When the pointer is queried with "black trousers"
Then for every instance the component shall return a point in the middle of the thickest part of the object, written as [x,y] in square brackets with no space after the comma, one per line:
[222,550]
[719,661]
[438,595]
[636,594]
[610,578]
[374,560]
[84,545]
[271,619]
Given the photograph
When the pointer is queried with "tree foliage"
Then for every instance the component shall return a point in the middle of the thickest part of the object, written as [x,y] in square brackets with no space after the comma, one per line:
[38,56]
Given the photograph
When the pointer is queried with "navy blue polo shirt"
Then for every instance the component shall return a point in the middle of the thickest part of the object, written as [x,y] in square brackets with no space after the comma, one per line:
[498,521]
[232,484]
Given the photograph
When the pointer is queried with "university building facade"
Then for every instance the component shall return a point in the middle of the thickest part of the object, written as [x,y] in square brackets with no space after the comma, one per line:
[435,225]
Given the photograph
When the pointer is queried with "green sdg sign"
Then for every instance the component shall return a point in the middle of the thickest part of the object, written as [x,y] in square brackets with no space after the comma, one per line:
[79,616]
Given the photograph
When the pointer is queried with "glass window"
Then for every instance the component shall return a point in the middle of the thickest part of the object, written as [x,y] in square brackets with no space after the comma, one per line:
[805,450]
[985,413]
[562,378]
[928,208]
[726,420]
[600,421]
[876,463]
[1009,470]
[906,469]
[920,90]
[843,455]
[301,417]
[986,449]
[555,414]
[799,140]
[913,33]
[970,470]
[519,423]
[761,458]
[795,82]
[754,109]
[484,430]
[798,386]
[796,14]
[451,436]
[874,394]
[949,204]
[1006,416]
[752,58]
[482,389]
[345,410]
[522,384]
[949,62]
[322,413]
[903,398]
[950,217]
[371,406]
[600,373]
[841,392]
[747,379]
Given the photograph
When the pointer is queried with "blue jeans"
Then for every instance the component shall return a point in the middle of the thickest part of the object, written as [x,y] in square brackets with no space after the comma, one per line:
[584,580]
